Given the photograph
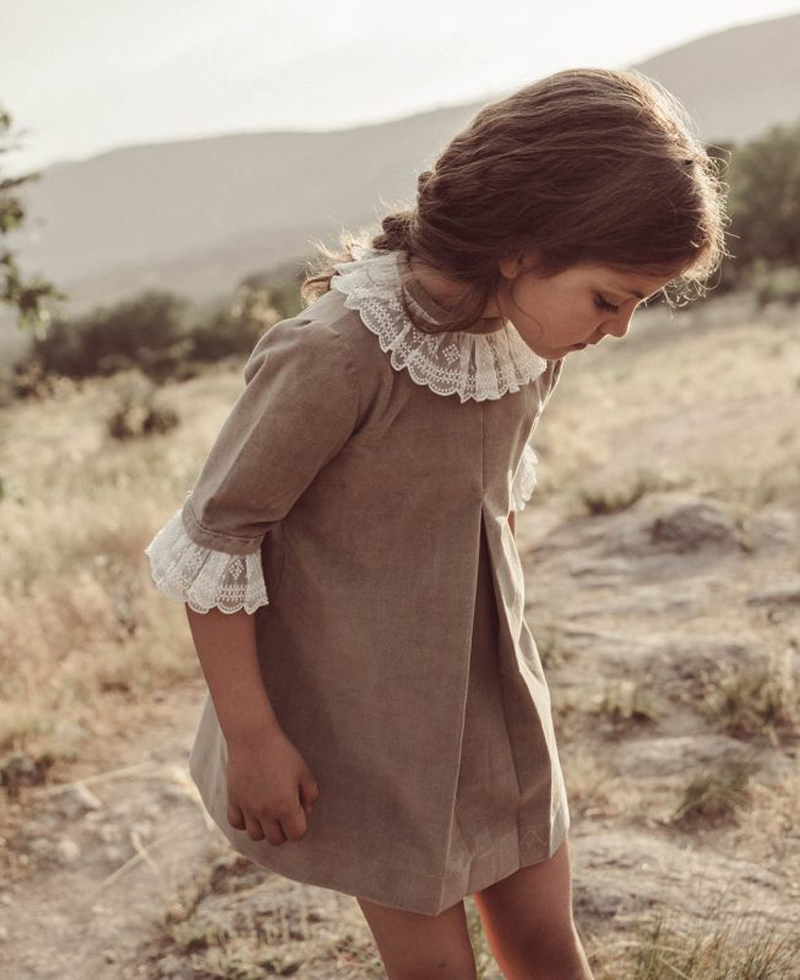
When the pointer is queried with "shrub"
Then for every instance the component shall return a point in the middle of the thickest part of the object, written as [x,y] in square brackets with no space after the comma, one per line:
[138,411]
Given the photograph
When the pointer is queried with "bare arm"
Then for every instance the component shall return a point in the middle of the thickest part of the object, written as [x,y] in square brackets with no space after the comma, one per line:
[226,647]
[271,790]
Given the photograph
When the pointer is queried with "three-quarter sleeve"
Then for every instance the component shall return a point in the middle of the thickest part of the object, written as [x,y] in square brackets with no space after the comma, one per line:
[524,479]
[298,408]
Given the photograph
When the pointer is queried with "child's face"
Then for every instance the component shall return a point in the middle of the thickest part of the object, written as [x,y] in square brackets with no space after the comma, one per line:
[574,308]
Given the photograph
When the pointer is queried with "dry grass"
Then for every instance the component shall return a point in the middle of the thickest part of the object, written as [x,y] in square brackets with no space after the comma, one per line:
[625,704]
[612,495]
[224,924]
[84,631]
[716,793]
[595,788]
[728,943]
[553,647]
[79,615]
[756,701]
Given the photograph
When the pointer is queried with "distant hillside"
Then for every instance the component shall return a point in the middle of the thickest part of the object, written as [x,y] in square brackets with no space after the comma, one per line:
[194,216]
[737,82]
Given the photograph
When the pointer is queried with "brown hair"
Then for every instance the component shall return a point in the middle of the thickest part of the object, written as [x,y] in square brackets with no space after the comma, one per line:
[585,165]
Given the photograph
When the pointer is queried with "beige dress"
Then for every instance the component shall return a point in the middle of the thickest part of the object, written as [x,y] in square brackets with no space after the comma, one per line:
[356,501]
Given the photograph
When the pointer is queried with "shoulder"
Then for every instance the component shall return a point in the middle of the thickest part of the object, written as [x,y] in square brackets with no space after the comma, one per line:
[303,340]
[332,317]
[301,366]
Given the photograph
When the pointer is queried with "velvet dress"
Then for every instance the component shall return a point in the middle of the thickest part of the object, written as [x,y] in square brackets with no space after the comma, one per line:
[356,501]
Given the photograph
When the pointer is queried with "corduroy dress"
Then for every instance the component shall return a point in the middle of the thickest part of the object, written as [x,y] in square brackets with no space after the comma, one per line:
[357,501]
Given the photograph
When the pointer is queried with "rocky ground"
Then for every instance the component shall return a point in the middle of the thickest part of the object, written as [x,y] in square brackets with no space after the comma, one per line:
[663,588]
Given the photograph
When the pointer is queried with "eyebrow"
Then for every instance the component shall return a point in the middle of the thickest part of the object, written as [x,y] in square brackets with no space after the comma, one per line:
[634,292]
[630,292]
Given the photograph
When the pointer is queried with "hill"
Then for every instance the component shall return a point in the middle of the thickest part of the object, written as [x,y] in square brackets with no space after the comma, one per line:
[194,216]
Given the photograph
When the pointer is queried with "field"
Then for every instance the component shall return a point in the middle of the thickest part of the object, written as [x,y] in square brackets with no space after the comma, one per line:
[663,589]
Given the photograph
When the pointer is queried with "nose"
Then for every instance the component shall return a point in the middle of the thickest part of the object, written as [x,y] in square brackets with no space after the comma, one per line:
[620,324]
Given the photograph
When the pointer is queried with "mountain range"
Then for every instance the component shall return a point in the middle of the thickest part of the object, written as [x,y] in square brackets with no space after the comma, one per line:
[194,216]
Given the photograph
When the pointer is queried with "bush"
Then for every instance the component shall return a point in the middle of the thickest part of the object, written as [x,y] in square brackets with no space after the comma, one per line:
[147,334]
[765,197]
[138,411]
[222,334]
[776,284]
[145,330]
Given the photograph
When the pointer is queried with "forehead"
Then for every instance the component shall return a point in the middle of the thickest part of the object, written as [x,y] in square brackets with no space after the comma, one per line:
[641,284]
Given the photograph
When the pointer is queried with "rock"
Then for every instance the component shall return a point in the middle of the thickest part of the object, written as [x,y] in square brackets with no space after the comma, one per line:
[77,800]
[22,769]
[785,593]
[110,833]
[174,791]
[153,810]
[690,524]
[773,527]
[612,653]
[632,600]
[144,829]
[123,809]
[690,659]
[115,854]
[173,966]
[621,873]
[671,756]
[657,525]
[67,851]
[40,846]
[3,934]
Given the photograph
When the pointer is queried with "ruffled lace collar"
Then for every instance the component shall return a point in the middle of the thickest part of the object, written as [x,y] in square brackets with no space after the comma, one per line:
[472,365]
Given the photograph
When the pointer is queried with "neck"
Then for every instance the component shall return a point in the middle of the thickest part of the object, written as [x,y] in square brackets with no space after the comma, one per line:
[446,292]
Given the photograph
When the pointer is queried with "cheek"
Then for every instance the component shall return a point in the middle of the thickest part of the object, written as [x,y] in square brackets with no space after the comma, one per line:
[529,300]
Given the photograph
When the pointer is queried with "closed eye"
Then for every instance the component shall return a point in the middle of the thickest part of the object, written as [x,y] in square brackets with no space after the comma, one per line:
[605,305]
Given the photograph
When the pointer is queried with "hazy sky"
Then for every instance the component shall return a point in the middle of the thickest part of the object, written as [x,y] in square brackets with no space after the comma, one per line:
[83,76]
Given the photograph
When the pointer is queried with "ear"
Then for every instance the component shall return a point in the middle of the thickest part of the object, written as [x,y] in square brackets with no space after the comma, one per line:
[511,266]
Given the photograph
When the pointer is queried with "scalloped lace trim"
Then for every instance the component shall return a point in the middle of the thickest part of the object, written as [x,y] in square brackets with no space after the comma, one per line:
[524,479]
[202,577]
[477,366]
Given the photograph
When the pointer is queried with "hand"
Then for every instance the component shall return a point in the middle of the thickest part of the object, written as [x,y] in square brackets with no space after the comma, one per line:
[271,790]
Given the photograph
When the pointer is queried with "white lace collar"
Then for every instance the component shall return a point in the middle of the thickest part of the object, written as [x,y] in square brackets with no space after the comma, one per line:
[477,366]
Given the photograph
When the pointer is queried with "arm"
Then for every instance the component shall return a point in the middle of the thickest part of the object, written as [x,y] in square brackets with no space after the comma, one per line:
[271,790]
[226,647]
[298,408]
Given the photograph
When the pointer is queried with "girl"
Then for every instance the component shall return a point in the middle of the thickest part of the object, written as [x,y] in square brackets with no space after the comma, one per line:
[377,720]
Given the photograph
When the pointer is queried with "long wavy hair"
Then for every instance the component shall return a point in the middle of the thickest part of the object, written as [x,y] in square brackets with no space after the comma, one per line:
[585,165]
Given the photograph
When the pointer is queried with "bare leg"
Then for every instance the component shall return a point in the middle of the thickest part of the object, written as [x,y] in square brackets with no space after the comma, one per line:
[527,918]
[414,946]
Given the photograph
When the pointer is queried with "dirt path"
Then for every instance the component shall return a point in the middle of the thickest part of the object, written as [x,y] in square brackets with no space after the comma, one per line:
[102,857]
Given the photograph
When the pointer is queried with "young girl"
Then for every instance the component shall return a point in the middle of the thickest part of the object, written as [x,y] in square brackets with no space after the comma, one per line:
[378,721]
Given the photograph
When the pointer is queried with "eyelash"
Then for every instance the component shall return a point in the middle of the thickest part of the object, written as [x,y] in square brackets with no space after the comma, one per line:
[605,305]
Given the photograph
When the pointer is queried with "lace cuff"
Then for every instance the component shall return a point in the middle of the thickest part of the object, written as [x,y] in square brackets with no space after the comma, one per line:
[524,479]
[202,577]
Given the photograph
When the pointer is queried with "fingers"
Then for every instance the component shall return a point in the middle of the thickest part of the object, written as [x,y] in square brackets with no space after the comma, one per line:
[290,826]
[264,829]
[289,822]
[235,817]
[309,791]
[274,831]
[254,829]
